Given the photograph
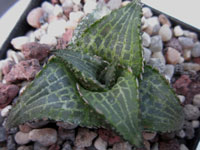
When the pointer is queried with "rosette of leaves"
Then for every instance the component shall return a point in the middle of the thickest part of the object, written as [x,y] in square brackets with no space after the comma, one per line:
[100,80]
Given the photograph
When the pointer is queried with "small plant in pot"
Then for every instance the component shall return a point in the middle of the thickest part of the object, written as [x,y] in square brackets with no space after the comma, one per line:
[101,81]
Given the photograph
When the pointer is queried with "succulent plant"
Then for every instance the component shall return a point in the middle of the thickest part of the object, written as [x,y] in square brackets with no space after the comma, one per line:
[100,80]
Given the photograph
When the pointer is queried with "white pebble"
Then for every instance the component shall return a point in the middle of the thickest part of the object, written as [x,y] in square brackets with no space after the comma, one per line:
[21,138]
[19,41]
[100,144]
[153,25]
[57,11]
[114,4]
[90,6]
[146,40]
[181,60]
[47,7]
[48,39]
[124,3]
[15,56]
[181,98]
[160,56]
[76,16]
[77,2]
[67,4]
[181,134]
[71,24]
[195,123]
[57,28]
[39,33]
[187,54]
[147,13]
[147,54]
[169,71]
[178,31]
[5,111]
[165,32]
[196,100]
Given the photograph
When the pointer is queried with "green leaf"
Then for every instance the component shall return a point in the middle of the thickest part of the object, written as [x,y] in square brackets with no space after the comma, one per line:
[88,20]
[160,107]
[116,37]
[84,67]
[53,95]
[120,107]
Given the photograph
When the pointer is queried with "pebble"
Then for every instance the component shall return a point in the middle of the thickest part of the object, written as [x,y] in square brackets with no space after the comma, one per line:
[100,144]
[44,136]
[25,70]
[3,134]
[169,71]
[19,41]
[21,138]
[191,112]
[25,148]
[35,50]
[178,31]
[186,42]
[1,119]
[190,34]
[77,2]
[124,3]
[37,146]
[38,33]
[147,13]
[160,56]
[164,20]
[172,56]
[66,134]
[181,98]
[33,17]
[195,123]
[5,111]
[48,39]
[15,56]
[57,28]
[191,67]
[153,26]
[84,138]
[47,7]
[7,93]
[149,135]
[156,63]
[71,25]
[57,11]
[196,100]
[187,54]
[114,4]
[65,125]
[38,124]
[66,146]
[183,147]
[11,143]
[146,39]
[122,146]
[155,146]
[76,16]
[189,130]
[181,134]
[196,50]
[165,33]
[156,44]
[24,128]
[147,54]
[174,43]
[90,6]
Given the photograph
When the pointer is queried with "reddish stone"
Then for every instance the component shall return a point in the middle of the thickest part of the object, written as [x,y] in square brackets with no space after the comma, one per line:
[169,145]
[181,85]
[67,36]
[194,88]
[6,69]
[54,147]
[196,60]
[34,50]
[25,70]
[109,136]
[7,94]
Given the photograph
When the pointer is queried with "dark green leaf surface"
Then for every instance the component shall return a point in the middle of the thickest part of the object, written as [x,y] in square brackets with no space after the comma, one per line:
[116,37]
[161,110]
[120,106]
[84,67]
[53,95]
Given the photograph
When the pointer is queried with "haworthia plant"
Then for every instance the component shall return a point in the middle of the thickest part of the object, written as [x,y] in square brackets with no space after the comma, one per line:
[95,82]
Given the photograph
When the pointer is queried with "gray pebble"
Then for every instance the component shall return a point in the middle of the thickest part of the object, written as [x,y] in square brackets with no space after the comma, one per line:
[146,39]
[1,119]
[25,148]
[156,44]
[21,138]
[181,98]
[189,130]
[195,123]
[183,147]
[100,144]
[196,50]
[156,63]
[181,134]
[2,134]
[186,43]
[122,146]
[11,143]
[65,134]
[153,26]
[38,146]
[155,147]
[169,71]
[147,54]
[66,146]
[160,56]
[191,112]
[196,100]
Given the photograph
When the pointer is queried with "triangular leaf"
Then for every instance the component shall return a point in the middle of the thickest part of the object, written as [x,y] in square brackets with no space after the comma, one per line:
[116,37]
[84,67]
[161,110]
[120,106]
[53,95]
